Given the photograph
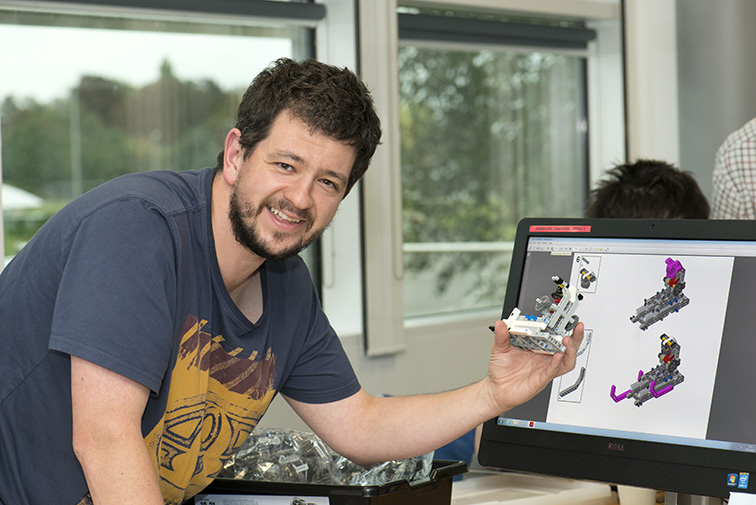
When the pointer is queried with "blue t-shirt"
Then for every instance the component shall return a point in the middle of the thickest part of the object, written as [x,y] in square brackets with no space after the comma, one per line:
[126,277]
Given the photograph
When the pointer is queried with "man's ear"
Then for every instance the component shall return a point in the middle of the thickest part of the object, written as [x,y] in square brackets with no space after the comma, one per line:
[233,154]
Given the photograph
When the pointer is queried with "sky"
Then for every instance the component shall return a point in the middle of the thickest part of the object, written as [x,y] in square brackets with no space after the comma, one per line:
[46,62]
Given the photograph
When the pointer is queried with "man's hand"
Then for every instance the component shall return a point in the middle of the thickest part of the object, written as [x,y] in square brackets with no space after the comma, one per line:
[516,375]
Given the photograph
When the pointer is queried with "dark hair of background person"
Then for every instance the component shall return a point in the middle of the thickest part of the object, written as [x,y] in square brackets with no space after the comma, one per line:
[332,101]
[648,189]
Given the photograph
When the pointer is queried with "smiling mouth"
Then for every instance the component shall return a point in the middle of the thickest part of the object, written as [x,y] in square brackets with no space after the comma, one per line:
[283,216]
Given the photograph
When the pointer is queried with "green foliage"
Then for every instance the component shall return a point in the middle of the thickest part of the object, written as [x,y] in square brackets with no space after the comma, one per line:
[105,129]
[21,225]
[35,143]
[487,139]
[116,128]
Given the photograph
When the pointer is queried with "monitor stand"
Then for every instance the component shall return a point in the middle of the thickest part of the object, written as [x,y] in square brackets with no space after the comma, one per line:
[687,499]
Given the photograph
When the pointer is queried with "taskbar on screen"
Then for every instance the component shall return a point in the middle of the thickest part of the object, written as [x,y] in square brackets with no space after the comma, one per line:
[650,437]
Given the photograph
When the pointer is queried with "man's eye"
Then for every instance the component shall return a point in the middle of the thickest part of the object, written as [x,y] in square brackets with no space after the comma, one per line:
[285,166]
[330,184]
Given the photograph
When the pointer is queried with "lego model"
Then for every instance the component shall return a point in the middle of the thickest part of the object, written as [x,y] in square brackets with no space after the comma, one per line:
[544,334]
[664,302]
[658,381]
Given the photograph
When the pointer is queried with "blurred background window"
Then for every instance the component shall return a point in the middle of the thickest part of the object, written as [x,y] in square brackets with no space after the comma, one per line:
[493,129]
[87,97]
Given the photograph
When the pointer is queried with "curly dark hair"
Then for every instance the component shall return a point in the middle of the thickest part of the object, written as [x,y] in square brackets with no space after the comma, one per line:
[330,100]
[648,189]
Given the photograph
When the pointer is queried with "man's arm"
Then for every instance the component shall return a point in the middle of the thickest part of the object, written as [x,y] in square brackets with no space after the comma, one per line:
[107,435]
[367,429]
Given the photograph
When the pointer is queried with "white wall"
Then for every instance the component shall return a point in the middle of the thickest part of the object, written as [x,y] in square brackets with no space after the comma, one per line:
[690,79]
[716,42]
[651,79]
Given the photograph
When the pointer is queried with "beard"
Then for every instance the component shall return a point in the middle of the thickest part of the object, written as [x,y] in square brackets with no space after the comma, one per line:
[247,235]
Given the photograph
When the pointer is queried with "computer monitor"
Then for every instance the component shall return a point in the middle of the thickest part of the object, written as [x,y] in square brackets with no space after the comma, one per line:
[664,392]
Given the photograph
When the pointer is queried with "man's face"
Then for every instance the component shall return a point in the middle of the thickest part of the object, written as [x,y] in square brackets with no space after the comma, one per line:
[288,189]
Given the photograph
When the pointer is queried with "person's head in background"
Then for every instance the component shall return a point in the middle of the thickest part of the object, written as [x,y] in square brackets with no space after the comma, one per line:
[648,189]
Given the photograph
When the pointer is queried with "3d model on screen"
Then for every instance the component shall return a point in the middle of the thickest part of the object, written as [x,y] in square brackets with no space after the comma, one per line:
[570,385]
[658,381]
[545,333]
[668,300]
[574,387]
[586,278]
[587,338]
[585,273]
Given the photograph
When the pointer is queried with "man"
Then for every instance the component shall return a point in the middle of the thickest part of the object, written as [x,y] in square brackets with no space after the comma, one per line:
[149,324]
[734,178]
[648,189]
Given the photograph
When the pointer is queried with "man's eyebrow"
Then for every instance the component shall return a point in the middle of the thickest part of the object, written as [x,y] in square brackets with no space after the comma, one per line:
[288,154]
[295,157]
[337,176]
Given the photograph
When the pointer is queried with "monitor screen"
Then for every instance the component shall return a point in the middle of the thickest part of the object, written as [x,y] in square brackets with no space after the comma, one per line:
[663,395]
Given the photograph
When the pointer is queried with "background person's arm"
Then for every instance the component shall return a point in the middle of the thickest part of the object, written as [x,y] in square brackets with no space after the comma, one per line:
[107,436]
[368,429]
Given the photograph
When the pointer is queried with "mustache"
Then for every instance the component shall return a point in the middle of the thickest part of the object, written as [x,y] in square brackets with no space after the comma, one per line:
[287,207]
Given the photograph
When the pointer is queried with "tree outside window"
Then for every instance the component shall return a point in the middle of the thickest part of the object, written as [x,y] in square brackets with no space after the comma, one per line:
[488,137]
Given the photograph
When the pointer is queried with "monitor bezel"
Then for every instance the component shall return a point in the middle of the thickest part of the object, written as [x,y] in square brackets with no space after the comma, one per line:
[657,465]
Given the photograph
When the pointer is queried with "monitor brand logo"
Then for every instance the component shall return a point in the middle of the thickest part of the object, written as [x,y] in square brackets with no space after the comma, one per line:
[614,446]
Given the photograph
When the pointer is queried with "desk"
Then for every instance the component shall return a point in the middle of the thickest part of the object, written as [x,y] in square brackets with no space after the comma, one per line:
[486,488]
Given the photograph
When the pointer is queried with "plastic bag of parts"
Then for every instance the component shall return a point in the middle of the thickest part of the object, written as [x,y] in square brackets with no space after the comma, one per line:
[293,456]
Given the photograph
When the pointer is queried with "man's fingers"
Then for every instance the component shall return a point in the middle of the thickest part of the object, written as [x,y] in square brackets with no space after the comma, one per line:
[501,333]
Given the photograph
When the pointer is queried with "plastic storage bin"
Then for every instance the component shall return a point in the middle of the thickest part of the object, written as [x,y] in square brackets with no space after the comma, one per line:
[435,490]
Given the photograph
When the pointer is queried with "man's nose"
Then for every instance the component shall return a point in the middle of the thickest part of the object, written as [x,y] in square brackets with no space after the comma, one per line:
[299,193]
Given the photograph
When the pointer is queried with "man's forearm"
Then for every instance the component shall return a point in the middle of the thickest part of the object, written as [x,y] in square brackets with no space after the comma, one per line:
[374,429]
[410,426]
[119,471]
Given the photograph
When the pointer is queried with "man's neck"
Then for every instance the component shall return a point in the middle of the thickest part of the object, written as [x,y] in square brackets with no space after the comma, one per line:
[248,297]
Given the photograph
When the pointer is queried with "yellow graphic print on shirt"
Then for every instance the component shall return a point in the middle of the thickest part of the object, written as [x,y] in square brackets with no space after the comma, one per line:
[214,403]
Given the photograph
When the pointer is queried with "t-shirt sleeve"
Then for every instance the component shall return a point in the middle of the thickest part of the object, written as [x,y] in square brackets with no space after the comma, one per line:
[322,372]
[116,298]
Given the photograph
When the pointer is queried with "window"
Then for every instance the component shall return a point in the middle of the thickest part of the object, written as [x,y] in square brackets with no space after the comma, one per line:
[446,302]
[88,97]
[493,129]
